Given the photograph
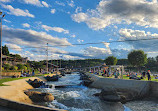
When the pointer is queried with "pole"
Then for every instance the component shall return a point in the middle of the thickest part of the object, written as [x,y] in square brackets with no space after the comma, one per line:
[60,63]
[1,49]
[47,58]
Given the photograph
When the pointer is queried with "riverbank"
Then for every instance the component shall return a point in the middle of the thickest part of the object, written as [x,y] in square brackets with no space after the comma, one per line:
[14,90]
[146,92]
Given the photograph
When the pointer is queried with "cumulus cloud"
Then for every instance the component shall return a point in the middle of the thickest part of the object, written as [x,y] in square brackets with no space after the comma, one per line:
[97,52]
[17,11]
[80,17]
[26,25]
[31,38]
[147,45]
[57,29]
[140,12]
[60,3]
[14,47]
[45,4]
[78,9]
[35,3]
[53,11]
[71,3]
[5,1]
[7,20]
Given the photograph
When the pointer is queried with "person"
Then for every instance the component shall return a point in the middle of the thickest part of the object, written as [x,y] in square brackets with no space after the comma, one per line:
[33,73]
[143,74]
[148,75]
[115,73]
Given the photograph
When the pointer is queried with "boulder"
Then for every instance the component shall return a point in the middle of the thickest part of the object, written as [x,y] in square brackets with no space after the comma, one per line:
[86,82]
[39,96]
[36,83]
[53,78]
[109,95]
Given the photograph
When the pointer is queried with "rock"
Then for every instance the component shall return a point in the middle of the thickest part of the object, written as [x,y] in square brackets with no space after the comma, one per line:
[111,98]
[53,78]
[39,96]
[38,84]
[86,82]
[108,94]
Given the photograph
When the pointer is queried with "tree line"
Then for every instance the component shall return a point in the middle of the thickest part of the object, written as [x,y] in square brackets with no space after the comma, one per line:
[136,59]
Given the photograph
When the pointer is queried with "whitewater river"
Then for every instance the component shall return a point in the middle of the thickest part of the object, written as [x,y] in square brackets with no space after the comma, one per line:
[78,98]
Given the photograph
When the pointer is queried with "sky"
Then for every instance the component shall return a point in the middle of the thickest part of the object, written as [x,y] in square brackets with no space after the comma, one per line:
[30,24]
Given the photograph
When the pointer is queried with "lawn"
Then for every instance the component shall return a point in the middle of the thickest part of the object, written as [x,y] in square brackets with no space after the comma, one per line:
[12,79]
[145,79]
[9,79]
[125,77]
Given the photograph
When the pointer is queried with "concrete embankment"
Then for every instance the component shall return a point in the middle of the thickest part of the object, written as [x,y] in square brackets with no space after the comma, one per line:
[13,96]
[136,87]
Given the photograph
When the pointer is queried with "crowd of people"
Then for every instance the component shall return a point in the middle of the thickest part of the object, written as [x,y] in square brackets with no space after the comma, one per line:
[132,75]
[27,73]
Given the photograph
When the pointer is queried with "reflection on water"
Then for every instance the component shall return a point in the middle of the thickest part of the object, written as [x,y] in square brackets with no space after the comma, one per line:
[79,98]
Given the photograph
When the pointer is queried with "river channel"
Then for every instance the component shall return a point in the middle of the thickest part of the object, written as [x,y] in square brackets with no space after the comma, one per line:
[77,97]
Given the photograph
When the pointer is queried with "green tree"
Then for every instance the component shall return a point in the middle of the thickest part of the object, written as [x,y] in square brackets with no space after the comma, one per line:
[6,66]
[111,60]
[5,50]
[14,68]
[20,66]
[137,58]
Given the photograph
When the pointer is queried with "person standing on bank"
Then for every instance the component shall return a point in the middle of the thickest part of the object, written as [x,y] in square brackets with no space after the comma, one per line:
[148,75]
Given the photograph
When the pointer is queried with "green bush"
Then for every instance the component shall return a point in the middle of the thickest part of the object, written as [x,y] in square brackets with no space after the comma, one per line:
[13,68]
[6,66]
[20,66]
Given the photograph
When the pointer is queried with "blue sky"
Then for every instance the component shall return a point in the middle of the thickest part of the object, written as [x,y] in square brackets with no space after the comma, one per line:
[33,23]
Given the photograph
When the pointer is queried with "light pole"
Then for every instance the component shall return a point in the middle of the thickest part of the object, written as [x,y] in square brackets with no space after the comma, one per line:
[1,41]
[47,58]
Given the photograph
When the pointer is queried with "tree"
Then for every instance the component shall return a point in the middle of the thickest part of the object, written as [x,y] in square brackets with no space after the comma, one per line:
[5,50]
[20,66]
[137,58]
[6,66]
[14,68]
[111,60]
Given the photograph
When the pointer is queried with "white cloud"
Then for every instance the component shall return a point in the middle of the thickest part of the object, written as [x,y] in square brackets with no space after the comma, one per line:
[78,9]
[45,4]
[13,47]
[73,35]
[32,2]
[17,11]
[80,41]
[71,3]
[57,29]
[26,25]
[141,12]
[53,11]
[5,1]
[31,38]
[7,21]
[80,17]
[35,3]
[97,52]
[60,3]
[146,45]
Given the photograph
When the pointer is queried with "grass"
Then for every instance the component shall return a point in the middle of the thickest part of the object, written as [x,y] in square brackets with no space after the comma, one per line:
[145,79]
[126,77]
[12,79]
[9,79]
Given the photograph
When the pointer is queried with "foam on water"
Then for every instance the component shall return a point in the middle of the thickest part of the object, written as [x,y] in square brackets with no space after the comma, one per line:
[76,98]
